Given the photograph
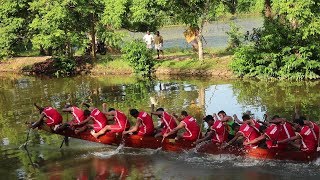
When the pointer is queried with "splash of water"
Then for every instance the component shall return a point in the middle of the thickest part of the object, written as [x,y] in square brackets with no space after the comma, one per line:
[107,154]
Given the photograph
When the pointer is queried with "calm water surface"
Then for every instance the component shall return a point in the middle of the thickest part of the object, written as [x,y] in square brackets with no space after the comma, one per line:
[85,160]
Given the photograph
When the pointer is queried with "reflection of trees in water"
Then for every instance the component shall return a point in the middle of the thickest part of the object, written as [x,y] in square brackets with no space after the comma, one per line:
[280,97]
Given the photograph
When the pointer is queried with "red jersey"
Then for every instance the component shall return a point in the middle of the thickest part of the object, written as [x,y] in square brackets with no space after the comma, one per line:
[309,138]
[220,132]
[52,115]
[78,114]
[249,133]
[192,128]
[278,132]
[146,127]
[100,120]
[315,129]
[121,122]
[168,123]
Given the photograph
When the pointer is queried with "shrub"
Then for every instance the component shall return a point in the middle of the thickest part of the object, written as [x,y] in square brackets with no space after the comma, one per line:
[280,52]
[139,57]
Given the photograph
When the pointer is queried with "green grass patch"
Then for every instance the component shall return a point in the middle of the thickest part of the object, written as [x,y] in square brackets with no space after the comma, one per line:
[187,64]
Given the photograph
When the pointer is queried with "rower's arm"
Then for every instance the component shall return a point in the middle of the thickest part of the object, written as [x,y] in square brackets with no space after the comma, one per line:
[69,109]
[215,117]
[85,121]
[226,119]
[289,139]
[209,135]
[277,120]
[157,113]
[174,130]
[264,123]
[36,124]
[134,128]
[258,139]
[233,139]
[235,117]
[113,113]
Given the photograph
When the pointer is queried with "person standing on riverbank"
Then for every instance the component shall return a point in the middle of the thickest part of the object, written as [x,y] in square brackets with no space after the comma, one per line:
[148,39]
[158,44]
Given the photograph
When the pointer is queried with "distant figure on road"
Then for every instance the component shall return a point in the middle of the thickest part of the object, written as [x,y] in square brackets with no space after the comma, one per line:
[148,39]
[158,44]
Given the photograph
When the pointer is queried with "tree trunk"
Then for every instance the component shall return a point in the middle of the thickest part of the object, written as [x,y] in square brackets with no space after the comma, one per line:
[93,39]
[268,10]
[200,44]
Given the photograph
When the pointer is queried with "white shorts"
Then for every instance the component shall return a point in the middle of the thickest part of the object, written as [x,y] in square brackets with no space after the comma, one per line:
[158,46]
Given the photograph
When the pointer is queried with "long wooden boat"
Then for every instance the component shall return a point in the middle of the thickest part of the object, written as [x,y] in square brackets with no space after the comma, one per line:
[136,141]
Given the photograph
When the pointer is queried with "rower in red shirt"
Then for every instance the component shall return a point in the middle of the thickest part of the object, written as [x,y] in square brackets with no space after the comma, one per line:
[78,115]
[49,115]
[308,132]
[249,130]
[190,125]
[168,122]
[218,131]
[144,125]
[98,118]
[278,131]
[121,122]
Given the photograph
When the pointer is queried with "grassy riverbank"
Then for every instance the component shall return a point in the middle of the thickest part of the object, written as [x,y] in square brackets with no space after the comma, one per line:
[176,61]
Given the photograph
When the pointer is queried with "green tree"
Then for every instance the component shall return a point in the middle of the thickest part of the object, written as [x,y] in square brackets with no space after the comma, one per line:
[134,15]
[287,46]
[14,19]
[195,13]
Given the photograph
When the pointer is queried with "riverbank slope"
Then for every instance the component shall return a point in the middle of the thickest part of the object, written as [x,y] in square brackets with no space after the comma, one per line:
[173,63]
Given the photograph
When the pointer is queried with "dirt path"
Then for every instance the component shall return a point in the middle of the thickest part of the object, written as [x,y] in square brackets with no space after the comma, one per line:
[14,65]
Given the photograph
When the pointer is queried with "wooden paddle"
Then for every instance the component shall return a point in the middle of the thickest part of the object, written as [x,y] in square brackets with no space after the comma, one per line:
[65,139]
[26,143]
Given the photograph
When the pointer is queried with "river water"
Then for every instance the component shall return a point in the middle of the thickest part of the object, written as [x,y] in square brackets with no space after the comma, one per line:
[85,160]
[214,33]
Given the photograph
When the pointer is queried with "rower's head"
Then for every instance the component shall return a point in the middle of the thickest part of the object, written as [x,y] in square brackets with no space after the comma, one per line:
[221,114]
[134,113]
[111,109]
[298,123]
[88,106]
[86,113]
[246,118]
[209,120]
[160,110]
[184,114]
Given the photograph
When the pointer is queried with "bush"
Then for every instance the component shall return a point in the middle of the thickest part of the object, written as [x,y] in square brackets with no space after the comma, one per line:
[235,36]
[280,52]
[65,66]
[139,57]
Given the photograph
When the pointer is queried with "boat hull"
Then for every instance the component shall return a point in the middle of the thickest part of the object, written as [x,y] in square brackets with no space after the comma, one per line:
[173,145]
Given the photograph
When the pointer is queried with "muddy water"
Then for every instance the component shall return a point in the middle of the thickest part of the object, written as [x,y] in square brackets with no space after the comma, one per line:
[44,159]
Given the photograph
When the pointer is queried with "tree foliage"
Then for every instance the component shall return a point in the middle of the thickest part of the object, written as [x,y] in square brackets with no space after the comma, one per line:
[288,46]
[14,19]
[139,57]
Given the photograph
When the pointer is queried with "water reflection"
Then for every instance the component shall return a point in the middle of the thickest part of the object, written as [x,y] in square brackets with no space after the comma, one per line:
[198,96]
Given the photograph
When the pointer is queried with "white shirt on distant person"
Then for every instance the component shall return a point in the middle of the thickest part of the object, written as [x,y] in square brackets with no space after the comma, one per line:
[148,38]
